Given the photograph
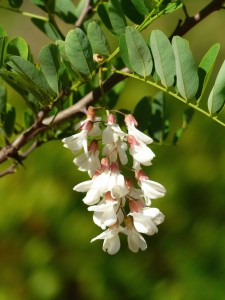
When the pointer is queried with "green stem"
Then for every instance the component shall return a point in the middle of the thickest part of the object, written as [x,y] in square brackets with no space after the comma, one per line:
[197,108]
[24,13]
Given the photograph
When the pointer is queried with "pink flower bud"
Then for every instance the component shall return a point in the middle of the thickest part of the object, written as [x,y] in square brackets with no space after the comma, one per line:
[111,119]
[131,140]
[135,206]
[93,147]
[130,120]
[114,167]
[141,175]
[87,126]
[91,115]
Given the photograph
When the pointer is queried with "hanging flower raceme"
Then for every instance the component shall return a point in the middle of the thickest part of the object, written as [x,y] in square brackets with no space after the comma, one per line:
[120,204]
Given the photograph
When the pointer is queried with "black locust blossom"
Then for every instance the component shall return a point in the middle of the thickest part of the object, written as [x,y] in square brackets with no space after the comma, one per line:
[120,204]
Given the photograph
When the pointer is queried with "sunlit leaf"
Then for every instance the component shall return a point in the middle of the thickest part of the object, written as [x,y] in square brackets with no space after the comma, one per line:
[217,96]
[205,68]
[48,28]
[116,16]
[50,62]
[3,46]
[163,57]
[141,6]
[66,11]
[18,47]
[34,79]
[79,52]
[171,7]
[97,39]
[138,52]
[186,70]
[124,51]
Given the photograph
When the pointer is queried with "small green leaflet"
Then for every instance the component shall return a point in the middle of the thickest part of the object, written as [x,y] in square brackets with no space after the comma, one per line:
[49,61]
[205,69]
[19,47]
[217,96]
[139,54]
[79,52]
[163,57]
[186,70]
[97,39]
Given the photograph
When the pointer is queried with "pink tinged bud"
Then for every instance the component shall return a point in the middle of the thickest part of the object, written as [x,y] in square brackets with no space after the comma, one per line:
[108,197]
[135,206]
[129,183]
[141,175]
[91,115]
[93,147]
[111,119]
[105,163]
[114,167]
[132,141]
[87,126]
[130,120]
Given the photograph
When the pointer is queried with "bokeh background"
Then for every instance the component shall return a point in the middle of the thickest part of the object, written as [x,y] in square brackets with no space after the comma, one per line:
[45,229]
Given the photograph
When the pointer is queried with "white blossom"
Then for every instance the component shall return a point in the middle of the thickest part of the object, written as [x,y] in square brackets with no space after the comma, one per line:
[151,189]
[89,162]
[131,124]
[106,211]
[147,219]
[141,153]
[111,239]
[134,238]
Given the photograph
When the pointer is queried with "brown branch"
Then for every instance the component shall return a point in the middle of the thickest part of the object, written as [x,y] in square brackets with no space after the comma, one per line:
[189,22]
[82,16]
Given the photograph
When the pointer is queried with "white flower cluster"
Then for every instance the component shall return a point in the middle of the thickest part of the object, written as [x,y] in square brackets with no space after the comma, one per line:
[108,193]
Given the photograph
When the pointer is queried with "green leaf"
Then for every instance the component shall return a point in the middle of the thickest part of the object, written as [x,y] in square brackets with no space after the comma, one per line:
[15,3]
[28,119]
[131,12]
[79,52]
[116,16]
[18,47]
[10,118]
[139,53]
[159,124]
[141,6]
[187,117]
[142,113]
[171,7]
[186,70]
[163,57]
[66,11]
[217,96]
[3,47]
[124,51]
[49,61]
[48,28]
[2,100]
[104,16]
[97,39]
[46,5]
[34,79]
[205,69]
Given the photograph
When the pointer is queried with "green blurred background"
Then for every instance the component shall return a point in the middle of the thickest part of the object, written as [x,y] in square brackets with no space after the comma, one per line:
[45,229]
